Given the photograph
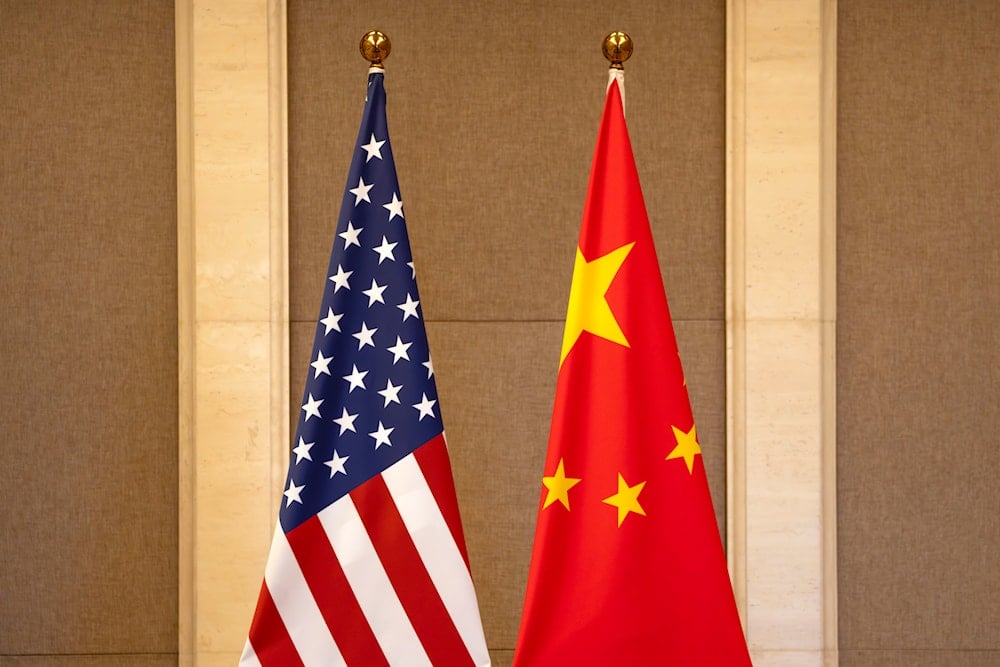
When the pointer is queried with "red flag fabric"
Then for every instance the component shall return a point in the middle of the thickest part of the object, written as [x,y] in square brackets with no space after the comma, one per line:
[627,566]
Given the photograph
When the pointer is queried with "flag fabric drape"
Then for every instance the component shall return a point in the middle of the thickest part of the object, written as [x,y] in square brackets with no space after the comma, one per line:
[627,566]
[368,563]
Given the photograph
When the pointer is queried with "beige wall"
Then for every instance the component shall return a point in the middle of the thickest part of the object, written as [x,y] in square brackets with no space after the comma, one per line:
[88,334]
[919,298]
[733,115]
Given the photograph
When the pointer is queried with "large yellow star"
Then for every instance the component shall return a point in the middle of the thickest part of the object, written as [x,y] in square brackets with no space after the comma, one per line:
[626,500]
[588,307]
[559,486]
[687,447]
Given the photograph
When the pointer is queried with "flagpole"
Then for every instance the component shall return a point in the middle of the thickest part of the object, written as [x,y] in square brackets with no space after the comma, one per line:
[336,590]
[636,577]
[617,49]
[375,47]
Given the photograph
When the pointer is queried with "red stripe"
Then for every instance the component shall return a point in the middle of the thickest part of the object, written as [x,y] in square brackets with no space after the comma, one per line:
[333,595]
[408,575]
[268,635]
[433,460]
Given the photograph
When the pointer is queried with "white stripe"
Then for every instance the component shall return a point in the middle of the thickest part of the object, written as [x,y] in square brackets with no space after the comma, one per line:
[437,548]
[371,585]
[619,76]
[297,607]
[249,657]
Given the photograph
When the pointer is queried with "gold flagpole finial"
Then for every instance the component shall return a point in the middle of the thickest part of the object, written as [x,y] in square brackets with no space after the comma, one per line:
[617,48]
[375,47]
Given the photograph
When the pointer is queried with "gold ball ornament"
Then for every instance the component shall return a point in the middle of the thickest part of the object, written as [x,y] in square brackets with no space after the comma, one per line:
[375,47]
[617,48]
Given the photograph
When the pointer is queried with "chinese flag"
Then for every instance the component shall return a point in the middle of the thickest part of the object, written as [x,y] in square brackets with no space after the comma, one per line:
[627,566]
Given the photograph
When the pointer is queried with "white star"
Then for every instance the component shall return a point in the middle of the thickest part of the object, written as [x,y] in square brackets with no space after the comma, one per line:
[322,364]
[409,308]
[361,192]
[373,148]
[429,365]
[365,336]
[351,236]
[391,393]
[374,293]
[302,450]
[413,270]
[332,320]
[346,419]
[385,250]
[395,207]
[293,494]
[340,279]
[426,408]
[399,350]
[312,407]
[337,464]
[357,379]
[382,435]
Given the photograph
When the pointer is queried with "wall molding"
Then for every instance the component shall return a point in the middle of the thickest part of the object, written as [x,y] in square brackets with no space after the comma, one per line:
[828,305]
[736,537]
[232,312]
[185,331]
[781,326]
[277,96]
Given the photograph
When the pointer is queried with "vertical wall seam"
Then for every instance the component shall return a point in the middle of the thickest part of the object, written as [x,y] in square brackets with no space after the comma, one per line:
[277,84]
[828,314]
[186,349]
[736,538]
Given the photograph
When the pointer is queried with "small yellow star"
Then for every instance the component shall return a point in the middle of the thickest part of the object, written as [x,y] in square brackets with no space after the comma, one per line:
[559,486]
[626,500]
[588,306]
[687,447]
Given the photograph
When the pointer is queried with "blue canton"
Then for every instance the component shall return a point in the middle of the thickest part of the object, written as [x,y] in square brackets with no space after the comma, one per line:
[370,397]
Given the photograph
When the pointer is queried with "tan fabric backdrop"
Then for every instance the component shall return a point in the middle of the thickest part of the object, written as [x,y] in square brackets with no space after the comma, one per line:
[88,336]
[493,110]
[919,302]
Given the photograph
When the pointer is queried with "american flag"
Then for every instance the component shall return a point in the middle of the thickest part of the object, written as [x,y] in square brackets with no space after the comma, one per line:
[368,563]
